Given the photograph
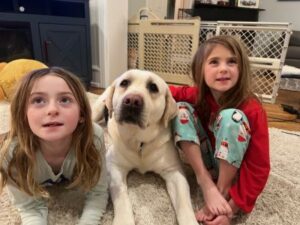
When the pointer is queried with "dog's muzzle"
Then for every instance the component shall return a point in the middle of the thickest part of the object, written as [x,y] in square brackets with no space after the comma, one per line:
[131,109]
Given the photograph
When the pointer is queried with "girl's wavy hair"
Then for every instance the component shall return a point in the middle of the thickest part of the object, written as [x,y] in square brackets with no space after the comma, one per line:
[23,163]
[237,94]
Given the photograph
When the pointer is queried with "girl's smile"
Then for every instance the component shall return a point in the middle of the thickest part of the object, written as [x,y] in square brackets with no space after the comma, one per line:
[223,79]
[53,124]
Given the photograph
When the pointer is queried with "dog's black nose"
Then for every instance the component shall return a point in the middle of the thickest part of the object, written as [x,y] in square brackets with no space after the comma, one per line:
[133,100]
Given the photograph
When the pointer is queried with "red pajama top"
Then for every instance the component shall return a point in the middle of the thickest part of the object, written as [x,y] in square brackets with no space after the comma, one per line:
[255,167]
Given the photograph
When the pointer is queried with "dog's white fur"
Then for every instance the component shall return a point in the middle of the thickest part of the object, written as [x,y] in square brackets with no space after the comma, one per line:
[144,146]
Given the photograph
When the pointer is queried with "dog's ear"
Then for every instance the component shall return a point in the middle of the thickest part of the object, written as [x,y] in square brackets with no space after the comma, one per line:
[170,109]
[109,99]
[104,100]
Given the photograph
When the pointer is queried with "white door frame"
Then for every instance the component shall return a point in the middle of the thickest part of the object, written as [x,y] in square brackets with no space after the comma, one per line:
[111,20]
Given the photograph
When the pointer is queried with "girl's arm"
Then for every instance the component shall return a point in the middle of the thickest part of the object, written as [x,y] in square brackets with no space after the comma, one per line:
[97,197]
[33,211]
[96,201]
[184,94]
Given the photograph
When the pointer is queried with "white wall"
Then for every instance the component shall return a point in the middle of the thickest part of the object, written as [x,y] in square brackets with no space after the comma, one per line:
[108,40]
[134,6]
[96,38]
[280,11]
[159,7]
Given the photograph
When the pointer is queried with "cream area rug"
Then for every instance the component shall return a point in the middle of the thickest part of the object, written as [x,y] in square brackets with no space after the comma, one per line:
[278,204]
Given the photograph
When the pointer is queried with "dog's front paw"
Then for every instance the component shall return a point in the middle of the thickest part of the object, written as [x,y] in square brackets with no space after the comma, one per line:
[189,222]
[118,220]
[187,219]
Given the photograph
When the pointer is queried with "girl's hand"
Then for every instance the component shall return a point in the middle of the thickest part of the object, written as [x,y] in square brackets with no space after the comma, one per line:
[219,220]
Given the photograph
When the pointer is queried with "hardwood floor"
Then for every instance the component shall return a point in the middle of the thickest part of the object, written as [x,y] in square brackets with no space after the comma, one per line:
[277,117]
[95,90]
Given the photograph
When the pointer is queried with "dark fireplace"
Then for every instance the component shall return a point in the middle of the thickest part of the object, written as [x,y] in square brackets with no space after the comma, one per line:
[15,41]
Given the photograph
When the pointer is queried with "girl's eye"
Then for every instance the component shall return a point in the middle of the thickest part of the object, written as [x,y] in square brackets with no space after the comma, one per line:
[38,101]
[232,61]
[65,100]
[213,62]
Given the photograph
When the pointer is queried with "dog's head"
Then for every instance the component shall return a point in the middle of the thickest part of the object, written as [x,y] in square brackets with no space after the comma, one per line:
[141,98]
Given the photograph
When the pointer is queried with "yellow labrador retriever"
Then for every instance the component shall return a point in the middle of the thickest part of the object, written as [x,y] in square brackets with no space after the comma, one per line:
[140,106]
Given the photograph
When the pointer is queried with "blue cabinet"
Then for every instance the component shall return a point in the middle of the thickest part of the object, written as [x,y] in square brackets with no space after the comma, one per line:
[64,45]
[58,32]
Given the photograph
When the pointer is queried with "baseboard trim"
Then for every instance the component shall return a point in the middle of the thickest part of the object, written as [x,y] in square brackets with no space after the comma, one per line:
[95,84]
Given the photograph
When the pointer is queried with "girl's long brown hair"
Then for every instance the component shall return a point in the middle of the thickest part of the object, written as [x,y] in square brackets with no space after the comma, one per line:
[237,94]
[22,165]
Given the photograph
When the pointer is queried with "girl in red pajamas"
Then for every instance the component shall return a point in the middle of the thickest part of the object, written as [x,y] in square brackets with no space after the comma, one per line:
[225,130]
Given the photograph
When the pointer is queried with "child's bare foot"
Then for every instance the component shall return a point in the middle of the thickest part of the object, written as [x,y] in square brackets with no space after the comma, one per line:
[203,215]
[222,219]
[215,202]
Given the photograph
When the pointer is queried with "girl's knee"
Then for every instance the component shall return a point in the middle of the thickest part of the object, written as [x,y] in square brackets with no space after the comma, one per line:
[232,119]
[234,114]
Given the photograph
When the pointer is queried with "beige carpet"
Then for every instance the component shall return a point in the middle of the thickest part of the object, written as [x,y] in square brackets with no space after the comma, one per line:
[278,205]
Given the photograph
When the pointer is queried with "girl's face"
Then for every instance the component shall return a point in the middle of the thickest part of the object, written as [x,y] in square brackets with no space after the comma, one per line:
[52,111]
[221,71]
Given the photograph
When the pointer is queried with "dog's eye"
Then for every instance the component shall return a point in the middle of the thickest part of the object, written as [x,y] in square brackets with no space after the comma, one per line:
[125,83]
[152,88]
